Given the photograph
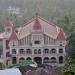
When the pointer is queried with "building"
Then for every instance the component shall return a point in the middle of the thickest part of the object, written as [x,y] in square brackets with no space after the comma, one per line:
[37,40]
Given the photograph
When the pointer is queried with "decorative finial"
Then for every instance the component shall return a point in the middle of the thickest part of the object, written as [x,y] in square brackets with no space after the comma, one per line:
[36,14]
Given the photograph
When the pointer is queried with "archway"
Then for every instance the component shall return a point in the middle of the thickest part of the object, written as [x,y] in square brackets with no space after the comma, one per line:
[46,60]
[60,50]
[38,60]
[14,60]
[53,60]
[46,50]
[53,50]
[28,58]
[21,59]
[60,59]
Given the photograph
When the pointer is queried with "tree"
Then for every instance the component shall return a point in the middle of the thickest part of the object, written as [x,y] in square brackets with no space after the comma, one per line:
[71,45]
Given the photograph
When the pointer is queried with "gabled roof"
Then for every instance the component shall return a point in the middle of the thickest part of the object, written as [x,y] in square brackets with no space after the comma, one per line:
[37,25]
[8,23]
[46,27]
[61,35]
[13,36]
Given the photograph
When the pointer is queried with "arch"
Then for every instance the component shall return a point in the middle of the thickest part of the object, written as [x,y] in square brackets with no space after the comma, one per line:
[53,50]
[46,50]
[60,59]
[21,51]
[46,60]
[60,50]
[38,60]
[39,51]
[14,60]
[28,51]
[53,60]
[28,58]
[21,59]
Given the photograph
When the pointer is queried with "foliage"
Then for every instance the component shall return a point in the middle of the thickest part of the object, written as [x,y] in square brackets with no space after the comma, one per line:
[70,68]
[23,63]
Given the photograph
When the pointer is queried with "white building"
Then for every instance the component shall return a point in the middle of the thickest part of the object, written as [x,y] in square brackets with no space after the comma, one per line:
[37,40]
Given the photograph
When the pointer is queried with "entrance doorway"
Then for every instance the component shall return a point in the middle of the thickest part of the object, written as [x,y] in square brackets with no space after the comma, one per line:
[38,60]
[14,60]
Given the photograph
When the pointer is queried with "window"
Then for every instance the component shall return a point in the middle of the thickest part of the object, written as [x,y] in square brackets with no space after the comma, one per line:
[35,51]
[53,60]
[21,59]
[61,50]
[21,51]
[1,51]
[61,60]
[53,50]
[14,43]
[28,51]
[7,44]
[13,51]
[39,51]
[8,54]
[46,60]
[37,42]
[46,50]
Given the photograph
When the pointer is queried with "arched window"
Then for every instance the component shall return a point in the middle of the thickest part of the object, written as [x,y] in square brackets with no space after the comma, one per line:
[14,51]
[39,51]
[21,59]
[46,60]
[21,51]
[35,51]
[46,50]
[53,50]
[60,50]
[28,51]
[28,58]
[53,60]
[60,59]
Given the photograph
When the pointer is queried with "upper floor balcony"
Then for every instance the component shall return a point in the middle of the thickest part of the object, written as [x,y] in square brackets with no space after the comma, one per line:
[29,51]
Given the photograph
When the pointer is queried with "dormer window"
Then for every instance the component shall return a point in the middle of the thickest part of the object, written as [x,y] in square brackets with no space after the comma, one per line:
[37,42]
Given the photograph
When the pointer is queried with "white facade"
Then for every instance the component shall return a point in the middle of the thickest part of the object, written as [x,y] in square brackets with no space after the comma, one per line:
[38,40]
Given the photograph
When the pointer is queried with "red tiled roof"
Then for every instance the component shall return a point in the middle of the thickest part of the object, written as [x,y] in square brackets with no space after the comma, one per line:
[61,35]
[48,28]
[8,23]
[13,36]
[36,24]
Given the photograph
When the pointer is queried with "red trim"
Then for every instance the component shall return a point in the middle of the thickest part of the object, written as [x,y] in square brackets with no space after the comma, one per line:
[8,23]
[61,35]
[13,36]
[36,24]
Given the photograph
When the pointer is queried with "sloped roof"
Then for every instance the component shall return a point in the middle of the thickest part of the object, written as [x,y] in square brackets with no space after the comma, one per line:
[13,71]
[37,25]
[47,28]
[13,36]
[8,23]
[61,35]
